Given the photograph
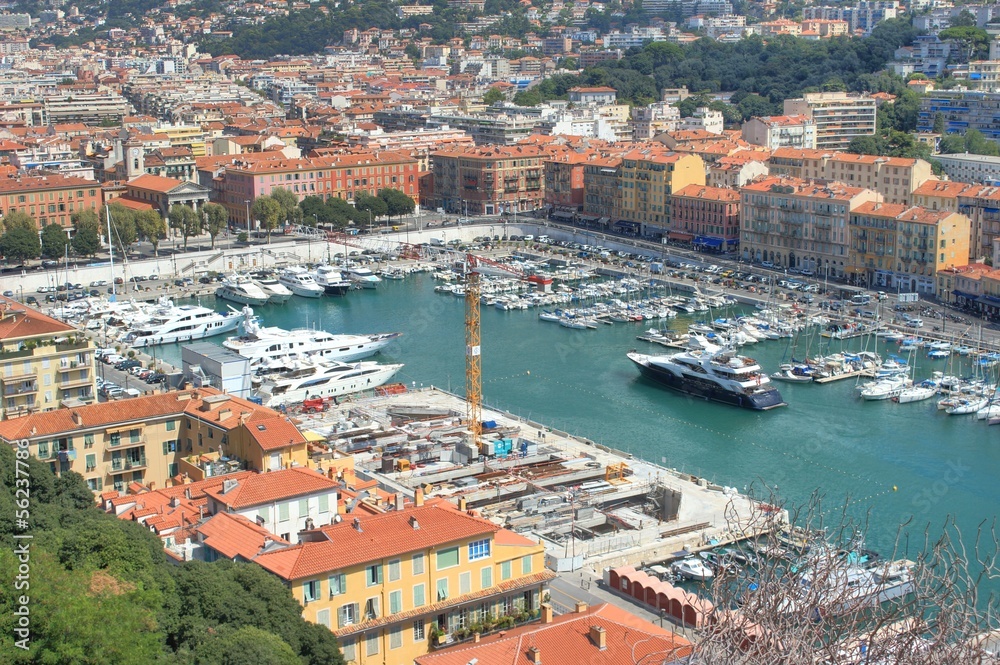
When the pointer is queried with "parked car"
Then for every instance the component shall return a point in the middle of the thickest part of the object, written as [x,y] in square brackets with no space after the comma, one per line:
[127,364]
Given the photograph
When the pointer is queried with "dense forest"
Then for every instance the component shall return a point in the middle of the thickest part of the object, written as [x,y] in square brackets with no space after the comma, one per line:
[100,590]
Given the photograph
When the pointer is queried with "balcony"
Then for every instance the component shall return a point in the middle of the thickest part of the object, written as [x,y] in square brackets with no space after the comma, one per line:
[79,382]
[126,442]
[23,388]
[123,465]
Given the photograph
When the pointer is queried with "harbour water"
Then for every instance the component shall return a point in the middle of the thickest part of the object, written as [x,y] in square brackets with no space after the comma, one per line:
[900,462]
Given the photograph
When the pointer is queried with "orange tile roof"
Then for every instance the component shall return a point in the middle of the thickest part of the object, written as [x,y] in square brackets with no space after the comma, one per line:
[44,182]
[722,194]
[264,488]
[234,535]
[155,183]
[19,321]
[383,535]
[808,188]
[275,433]
[629,639]
[876,209]
[945,188]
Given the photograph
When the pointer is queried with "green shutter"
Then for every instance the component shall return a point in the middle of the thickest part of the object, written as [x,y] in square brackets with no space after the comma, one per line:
[166,448]
[395,602]
[487,577]
[303,508]
[447,558]
[91,461]
[283,512]
[324,503]
[418,595]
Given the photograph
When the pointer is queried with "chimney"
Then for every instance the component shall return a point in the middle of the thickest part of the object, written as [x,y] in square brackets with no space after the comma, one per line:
[535,655]
[175,502]
[357,525]
[581,607]
[418,496]
[462,504]
[77,419]
[546,613]
[414,523]
[399,500]
[599,637]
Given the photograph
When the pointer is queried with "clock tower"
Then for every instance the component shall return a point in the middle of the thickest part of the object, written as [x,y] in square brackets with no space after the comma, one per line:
[135,160]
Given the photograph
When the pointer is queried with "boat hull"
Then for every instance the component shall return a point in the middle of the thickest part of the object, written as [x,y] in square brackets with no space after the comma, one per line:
[241,298]
[708,390]
[336,289]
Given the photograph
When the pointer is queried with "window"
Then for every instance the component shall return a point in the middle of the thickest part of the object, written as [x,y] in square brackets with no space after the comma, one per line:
[324,503]
[283,512]
[43,449]
[447,558]
[372,609]
[347,646]
[418,630]
[442,589]
[418,595]
[394,570]
[171,425]
[338,584]
[303,508]
[323,618]
[347,615]
[480,549]
[395,602]
[374,574]
[172,469]
[465,583]
[91,462]
[263,513]
[505,570]
[418,564]
[88,440]
[486,577]
[395,637]
[526,565]
[371,643]
[310,591]
[169,447]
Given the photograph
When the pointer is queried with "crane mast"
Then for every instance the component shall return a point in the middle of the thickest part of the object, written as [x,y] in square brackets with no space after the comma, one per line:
[473,359]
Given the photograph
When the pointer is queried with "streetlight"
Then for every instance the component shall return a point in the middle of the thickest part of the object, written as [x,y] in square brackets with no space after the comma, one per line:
[246,202]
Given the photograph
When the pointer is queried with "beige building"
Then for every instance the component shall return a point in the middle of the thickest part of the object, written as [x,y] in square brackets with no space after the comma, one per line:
[44,363]
[794,223]
[780,131]
[648,177]
[839,116]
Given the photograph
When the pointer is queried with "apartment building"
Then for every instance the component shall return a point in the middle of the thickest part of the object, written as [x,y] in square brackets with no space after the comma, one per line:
[389,584]
[981,204]
[238,183]
[904,248]
[564,187]
[648,178]
[839,117]
[982,169]
[657,118]
[50,199]
[895,178]
[489,180]
[601,188]
[780,131]
[88,108]
[44,363]
[962,111]
[802,224]
[419,143]
[159,438]
[707,217]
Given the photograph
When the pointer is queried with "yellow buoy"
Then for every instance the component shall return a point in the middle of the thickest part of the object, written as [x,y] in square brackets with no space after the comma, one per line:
[895,489]
[529,372]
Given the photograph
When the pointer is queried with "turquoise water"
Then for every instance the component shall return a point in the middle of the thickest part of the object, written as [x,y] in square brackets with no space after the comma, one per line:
[581,381]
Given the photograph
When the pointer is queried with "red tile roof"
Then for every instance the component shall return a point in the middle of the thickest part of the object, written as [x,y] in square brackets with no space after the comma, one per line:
[264,488]
[235,535]
[19,321]
[629,639]
[155,183]
[384,535]
[275,433]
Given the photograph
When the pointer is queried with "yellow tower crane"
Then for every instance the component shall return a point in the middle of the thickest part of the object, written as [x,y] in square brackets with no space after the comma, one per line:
[474,267]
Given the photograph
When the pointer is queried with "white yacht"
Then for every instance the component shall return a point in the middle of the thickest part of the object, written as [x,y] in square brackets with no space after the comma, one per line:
[242,289]
[300,282]
[185,323]
[265,345]
[277,293]
[713,373]
[693,568]
[332,281]
[323,379]
[363,276]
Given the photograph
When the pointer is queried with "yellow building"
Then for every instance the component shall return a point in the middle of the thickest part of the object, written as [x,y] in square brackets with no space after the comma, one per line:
[44,363]
[648,178]
[392,585]
[190,136]
[904,248]
[155,439]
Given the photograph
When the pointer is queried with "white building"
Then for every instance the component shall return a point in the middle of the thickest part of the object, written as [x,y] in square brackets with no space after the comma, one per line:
[706,119]
[780,131]
[977,169]
[839,117]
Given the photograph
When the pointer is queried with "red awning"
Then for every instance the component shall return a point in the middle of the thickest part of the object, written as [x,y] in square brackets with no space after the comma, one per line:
[677,235]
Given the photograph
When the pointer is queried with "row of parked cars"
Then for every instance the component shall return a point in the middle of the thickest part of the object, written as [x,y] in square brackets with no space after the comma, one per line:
[112,390]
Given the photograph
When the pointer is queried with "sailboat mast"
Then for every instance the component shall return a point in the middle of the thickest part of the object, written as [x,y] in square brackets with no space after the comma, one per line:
[111,250]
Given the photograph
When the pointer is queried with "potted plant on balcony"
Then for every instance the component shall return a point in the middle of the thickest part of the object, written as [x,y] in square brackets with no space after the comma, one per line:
[437,637]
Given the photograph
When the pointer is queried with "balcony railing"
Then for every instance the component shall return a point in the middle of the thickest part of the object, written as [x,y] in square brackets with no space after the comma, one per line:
[122,465]
[127,442]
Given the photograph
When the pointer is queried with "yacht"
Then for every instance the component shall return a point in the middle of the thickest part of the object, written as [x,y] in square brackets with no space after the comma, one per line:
[323,379]
[277,293]
[363,276]
[693,568]
[242,289]
[331,280]
[300,282]
[713,373]
[836,590]
[264,345]
[185,323]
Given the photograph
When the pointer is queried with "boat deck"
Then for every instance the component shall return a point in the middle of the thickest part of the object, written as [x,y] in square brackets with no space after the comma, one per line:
[847,375]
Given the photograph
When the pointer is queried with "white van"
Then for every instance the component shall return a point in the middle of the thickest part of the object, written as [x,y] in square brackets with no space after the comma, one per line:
[112,358]
[544,239]
[529,238]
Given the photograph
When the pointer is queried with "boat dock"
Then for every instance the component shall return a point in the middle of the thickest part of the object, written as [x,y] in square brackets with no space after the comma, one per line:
[867,373]
[680,344]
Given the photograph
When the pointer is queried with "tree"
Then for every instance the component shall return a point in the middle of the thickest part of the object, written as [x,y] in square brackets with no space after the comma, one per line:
[18,219]
[123,229]
[939,126]
[150,225]
[54,241]
[493,96]
[289,203]
[244,646]
[975,41]
[371,204]
[86,232]
[20,244]
[184,219]
[397,203]
[216,219]
[268,213]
